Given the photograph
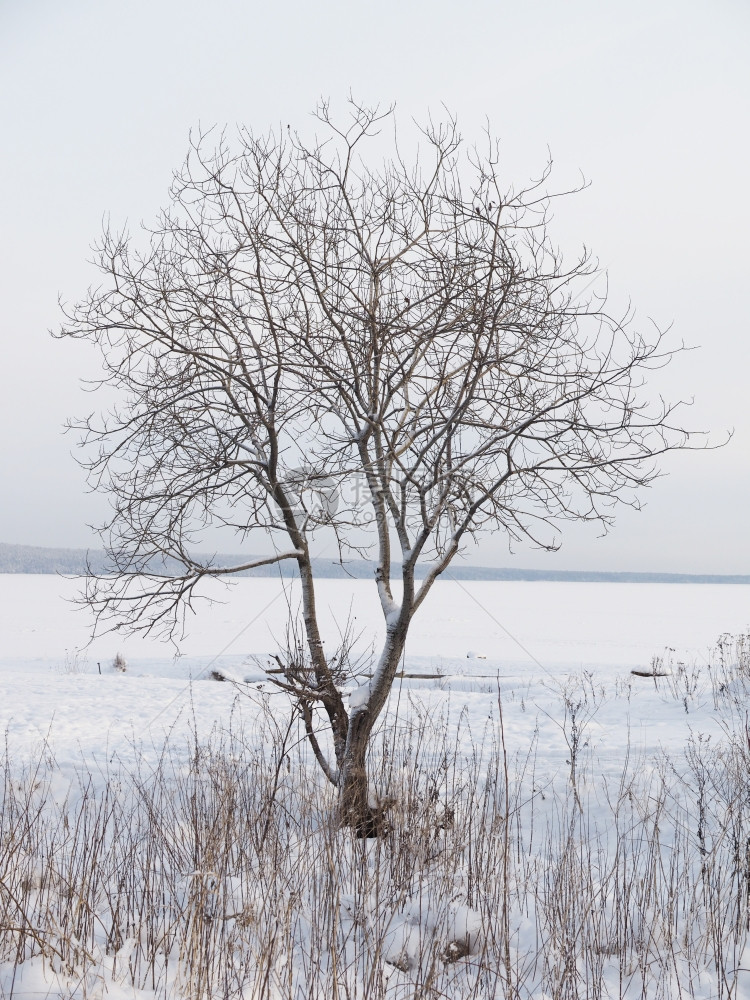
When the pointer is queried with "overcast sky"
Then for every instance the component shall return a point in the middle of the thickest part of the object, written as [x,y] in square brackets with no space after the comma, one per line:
[649,100]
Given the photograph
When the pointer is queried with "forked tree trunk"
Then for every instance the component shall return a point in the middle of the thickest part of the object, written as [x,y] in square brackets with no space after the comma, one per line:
[356,810]
[351,731]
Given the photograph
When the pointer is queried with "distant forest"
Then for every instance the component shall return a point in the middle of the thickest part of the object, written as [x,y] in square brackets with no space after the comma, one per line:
[74,562]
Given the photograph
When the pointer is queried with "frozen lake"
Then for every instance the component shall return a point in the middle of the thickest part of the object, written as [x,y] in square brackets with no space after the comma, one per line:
[534,638]
[517,624]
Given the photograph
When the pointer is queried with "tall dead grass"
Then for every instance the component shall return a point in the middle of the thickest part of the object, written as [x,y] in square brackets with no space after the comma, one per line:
[217,869]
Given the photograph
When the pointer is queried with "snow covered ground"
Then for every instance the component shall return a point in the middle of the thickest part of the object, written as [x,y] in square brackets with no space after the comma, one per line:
[529,636]
[559,655]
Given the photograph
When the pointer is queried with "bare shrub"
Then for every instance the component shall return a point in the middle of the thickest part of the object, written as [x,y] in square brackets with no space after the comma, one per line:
[75,662]
[119,663]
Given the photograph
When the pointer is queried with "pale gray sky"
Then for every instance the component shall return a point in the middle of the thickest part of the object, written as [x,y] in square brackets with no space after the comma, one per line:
[648,99]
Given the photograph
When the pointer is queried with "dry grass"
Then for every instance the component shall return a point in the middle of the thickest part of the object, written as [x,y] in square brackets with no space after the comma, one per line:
[219,870]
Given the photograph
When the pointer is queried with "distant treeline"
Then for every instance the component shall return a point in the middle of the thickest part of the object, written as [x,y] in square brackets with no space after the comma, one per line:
[76,562]
[34,559]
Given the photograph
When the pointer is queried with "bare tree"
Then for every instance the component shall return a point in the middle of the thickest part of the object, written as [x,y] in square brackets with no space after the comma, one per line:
[298,321]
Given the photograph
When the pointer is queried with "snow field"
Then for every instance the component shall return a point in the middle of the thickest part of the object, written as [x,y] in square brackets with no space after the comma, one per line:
[561,827]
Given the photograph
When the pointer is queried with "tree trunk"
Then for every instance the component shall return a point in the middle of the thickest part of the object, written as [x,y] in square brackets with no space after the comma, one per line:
[356,809]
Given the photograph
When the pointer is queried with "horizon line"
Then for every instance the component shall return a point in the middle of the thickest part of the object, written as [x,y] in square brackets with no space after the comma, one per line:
[61,560]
